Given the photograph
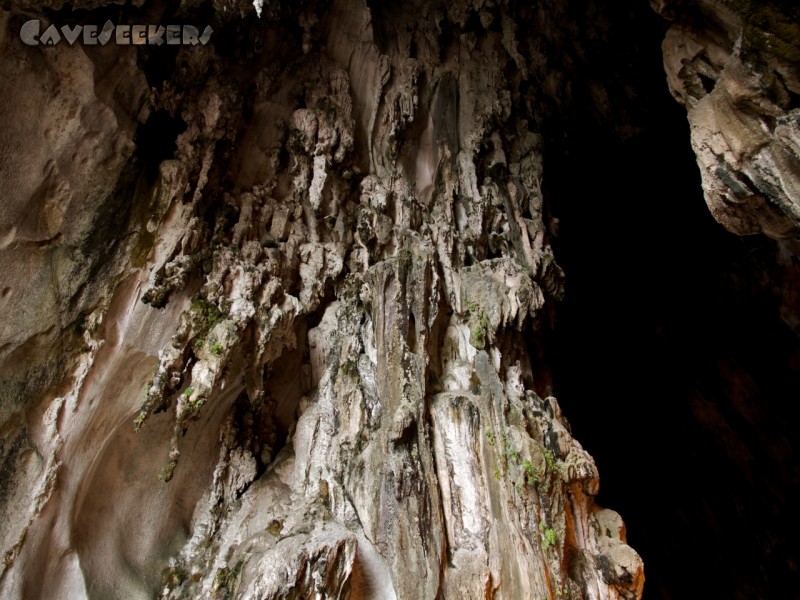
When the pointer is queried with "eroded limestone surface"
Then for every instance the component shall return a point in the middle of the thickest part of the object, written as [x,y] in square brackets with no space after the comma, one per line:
[291,354]
[733,64]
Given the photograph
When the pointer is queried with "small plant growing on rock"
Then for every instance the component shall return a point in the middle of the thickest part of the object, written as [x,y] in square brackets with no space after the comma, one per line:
[195,405]
[205,315]
[478,337]
[552,465]
[548,539]
[139,420]
[530,475]
[167,470]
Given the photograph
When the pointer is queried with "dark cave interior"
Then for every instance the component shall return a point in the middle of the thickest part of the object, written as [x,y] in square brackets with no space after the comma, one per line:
[669,355]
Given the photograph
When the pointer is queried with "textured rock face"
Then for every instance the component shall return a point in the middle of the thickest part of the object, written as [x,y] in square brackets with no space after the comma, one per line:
[733,63]
[291,354]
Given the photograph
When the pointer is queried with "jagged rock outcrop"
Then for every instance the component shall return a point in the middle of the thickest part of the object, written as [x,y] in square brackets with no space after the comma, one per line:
[733,63]
[266,305]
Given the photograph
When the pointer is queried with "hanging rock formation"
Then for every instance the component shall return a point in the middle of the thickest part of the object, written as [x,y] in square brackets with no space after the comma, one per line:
[266,304]
[733,64]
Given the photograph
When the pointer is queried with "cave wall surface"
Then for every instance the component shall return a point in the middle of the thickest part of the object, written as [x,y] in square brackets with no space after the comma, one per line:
[733,64]
[265,307]
[268,303]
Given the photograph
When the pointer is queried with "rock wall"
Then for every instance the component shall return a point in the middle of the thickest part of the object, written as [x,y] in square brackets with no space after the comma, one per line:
[733,64]
[266,305]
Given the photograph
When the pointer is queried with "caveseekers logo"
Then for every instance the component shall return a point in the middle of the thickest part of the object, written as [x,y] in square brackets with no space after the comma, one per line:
[124,35]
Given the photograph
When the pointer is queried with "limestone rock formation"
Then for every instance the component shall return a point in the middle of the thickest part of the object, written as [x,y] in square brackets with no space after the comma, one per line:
[733,64]
[265,306]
